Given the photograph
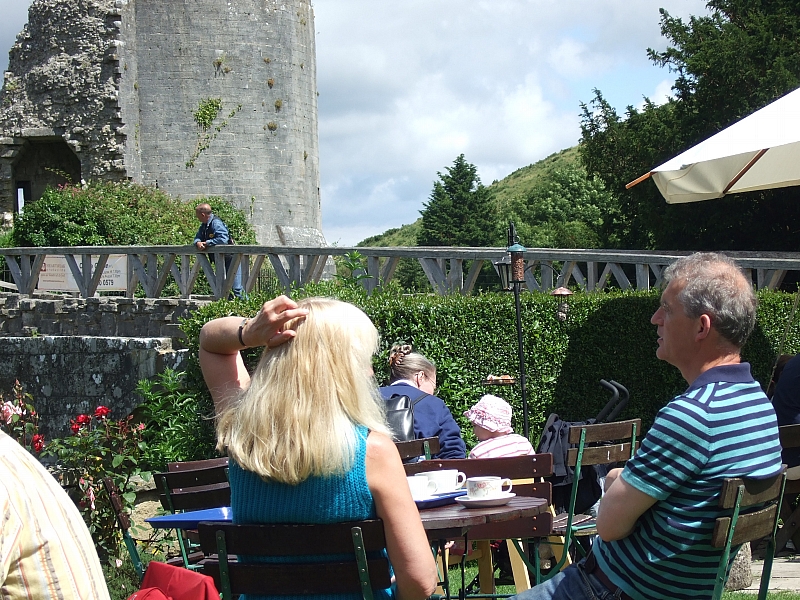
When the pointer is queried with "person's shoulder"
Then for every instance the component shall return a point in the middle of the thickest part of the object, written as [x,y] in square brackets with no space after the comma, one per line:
[380,445]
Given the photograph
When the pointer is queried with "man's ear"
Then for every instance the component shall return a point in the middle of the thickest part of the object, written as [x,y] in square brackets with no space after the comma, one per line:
[704,327]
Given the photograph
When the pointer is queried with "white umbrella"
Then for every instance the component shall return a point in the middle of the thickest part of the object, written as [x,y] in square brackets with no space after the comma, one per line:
[760,152]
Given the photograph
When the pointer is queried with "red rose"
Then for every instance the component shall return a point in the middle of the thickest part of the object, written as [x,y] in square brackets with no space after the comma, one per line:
[84,419]
[37,442]
[74,426]
[101,412]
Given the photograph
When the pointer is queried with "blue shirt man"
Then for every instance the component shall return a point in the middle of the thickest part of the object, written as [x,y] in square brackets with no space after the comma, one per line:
[656,517]
[213,232]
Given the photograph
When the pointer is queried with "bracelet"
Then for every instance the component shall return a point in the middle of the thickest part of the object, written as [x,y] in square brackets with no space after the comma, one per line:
[241,328]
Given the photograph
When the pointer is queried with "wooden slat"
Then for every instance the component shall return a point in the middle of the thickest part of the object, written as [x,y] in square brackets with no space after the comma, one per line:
[789,436]
[193,465]
[757,491]
[517,467]
[600,455]
[605,432]
[285,539]
[413,448]
[298,579]
[750,527]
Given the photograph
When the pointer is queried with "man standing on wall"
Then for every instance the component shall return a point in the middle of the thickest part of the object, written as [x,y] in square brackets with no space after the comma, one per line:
[657,515]
[214,232]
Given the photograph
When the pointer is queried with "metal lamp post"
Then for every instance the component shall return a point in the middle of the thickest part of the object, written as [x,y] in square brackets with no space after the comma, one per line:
[511,270]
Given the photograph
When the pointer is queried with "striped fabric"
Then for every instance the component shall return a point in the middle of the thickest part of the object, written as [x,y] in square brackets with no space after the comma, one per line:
[512,444]
[46,551]
[722,426]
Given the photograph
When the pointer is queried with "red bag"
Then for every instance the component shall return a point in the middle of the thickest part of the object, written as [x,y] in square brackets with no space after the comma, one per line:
[149,594]
[168,582]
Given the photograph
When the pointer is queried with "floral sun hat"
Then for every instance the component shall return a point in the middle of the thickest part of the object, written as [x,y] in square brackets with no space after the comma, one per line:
[492,413]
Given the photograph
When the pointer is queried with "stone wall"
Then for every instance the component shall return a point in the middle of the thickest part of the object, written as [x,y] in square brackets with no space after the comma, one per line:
[109,89]
[105,317]
[72,375]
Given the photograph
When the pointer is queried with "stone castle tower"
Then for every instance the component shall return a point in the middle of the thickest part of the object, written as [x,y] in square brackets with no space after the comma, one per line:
[199,97]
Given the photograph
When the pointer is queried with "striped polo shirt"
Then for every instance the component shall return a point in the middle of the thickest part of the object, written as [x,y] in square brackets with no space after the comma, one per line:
[46,552]
[722,426]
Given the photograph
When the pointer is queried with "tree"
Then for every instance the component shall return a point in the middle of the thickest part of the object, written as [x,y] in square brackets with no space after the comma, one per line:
[459,212]
[566,209]
[742,56]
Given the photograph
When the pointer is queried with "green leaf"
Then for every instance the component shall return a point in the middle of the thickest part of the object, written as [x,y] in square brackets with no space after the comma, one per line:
[118,459]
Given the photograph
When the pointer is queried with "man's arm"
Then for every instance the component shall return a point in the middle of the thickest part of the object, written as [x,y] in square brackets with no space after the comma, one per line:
[620,507]
[220,233]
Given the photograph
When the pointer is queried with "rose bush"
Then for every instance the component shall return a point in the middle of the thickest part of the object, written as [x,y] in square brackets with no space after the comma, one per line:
[19,420]
[99,447]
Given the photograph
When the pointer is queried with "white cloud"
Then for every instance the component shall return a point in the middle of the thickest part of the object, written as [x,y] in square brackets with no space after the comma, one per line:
[405,87]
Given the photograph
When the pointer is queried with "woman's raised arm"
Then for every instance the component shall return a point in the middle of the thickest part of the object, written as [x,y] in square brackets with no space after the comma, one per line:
[223,338]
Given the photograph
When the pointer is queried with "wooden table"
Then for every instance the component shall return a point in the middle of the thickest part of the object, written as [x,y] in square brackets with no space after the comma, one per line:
[454,521]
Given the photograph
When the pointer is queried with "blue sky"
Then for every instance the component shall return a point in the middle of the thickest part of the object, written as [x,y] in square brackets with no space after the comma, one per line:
[405,87]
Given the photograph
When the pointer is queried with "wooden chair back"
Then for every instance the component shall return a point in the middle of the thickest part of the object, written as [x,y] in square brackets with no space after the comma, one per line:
[739,494]
[193,465]
[602,450]
[194,489]
[426,447]
[353,574]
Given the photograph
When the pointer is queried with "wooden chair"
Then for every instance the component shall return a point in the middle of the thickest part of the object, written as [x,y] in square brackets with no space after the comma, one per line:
[124,523]
[426,447]
[526,474]
[790,438]
[194,465]
[205,486]
[362,570]
[610,443]
[738,528]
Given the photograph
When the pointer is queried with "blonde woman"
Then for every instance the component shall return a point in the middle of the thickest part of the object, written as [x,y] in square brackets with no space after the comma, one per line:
[307,437]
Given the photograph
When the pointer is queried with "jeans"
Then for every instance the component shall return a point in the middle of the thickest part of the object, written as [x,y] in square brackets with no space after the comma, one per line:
[572,583]
[237,290]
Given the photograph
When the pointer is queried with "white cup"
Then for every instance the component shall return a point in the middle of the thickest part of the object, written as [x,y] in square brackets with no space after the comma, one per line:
[487,487]
[420,487]
[447,480]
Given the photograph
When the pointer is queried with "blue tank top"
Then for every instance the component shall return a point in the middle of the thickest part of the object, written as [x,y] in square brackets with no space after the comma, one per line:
[331,499]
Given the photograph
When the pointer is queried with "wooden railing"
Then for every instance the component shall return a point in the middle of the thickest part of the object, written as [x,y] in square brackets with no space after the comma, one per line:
[154,266]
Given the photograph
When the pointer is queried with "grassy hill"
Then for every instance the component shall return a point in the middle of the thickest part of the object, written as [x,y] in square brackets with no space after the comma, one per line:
[517,184]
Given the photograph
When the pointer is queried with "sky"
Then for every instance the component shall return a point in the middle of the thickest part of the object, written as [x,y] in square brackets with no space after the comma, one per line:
[406,87]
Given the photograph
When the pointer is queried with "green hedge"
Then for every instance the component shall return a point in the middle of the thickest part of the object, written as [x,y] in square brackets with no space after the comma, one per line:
[606,336]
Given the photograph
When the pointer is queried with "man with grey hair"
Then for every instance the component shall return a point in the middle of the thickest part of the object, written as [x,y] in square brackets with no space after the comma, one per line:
[657,515]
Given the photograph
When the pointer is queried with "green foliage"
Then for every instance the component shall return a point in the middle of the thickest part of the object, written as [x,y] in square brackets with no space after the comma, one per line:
[19,420]
[565,210]
[207,111]
[459,212]
[741,57]
[179,422]
[606,336]
[99,447]
[101,214]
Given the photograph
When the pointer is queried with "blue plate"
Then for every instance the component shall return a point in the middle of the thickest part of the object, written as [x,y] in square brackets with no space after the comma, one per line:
[439,499]
[190,519]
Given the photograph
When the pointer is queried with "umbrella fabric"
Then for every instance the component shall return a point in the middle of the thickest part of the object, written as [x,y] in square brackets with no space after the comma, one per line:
[761,151]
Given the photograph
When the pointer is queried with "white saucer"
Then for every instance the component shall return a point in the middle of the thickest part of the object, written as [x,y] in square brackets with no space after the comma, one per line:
[458,491]
[498,500]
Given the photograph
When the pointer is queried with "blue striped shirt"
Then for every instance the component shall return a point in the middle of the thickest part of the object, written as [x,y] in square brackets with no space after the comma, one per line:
[722,426]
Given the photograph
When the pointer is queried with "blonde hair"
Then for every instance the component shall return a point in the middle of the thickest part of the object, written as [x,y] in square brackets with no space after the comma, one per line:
[297,418]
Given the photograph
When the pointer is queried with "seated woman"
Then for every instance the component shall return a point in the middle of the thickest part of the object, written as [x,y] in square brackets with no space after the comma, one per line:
[306,437]
[413,375]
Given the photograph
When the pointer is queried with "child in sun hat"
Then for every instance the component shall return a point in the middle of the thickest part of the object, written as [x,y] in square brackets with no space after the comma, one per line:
[491,422]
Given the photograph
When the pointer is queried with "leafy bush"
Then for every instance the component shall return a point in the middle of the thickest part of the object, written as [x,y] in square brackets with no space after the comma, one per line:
[605,336]
[179,421]
[99,447]
[118,214]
